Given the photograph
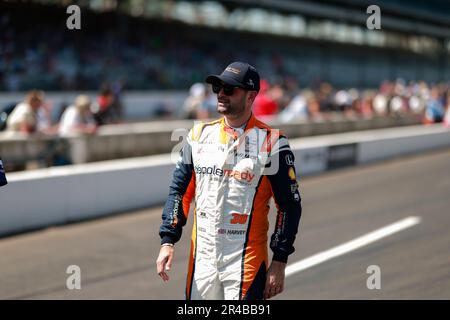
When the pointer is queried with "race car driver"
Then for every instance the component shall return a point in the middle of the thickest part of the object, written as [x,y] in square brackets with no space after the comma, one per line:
[232,167]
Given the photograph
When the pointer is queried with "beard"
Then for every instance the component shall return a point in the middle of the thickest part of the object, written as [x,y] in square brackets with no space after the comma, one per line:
[226,107]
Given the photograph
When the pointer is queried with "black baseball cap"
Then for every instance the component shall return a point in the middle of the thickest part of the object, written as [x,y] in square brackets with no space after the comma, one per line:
[239,74]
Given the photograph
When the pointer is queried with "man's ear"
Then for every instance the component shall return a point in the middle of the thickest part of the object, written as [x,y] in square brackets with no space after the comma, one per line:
[251,96]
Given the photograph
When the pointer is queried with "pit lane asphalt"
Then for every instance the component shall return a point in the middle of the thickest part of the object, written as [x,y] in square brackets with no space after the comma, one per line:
[117,254]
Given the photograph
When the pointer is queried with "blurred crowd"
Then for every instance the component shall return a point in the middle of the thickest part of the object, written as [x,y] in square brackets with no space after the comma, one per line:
[82,116]
[144,55]
[286,102]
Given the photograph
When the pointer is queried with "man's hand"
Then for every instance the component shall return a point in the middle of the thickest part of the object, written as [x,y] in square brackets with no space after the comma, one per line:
[275,279]
[164,261]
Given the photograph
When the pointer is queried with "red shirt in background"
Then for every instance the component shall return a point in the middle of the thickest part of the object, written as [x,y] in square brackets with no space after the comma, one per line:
[264,106]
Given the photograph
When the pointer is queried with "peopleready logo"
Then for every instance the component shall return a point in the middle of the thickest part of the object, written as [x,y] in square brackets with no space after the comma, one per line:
[246,176]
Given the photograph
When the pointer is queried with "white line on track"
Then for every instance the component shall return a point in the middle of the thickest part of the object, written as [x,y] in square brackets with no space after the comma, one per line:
[352,245]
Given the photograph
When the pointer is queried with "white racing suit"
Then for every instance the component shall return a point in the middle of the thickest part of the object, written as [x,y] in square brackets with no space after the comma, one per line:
[232,178]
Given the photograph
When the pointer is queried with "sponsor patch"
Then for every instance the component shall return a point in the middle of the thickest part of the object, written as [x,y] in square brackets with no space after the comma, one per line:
[289,160]
[232,232]
[239,218]
[294,187]
[238,175]
[291,173]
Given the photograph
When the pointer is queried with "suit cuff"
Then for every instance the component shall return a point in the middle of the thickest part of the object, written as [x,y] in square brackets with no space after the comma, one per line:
[167,239]
[280,256]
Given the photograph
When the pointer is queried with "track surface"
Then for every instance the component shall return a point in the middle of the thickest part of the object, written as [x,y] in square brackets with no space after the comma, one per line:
[117,254]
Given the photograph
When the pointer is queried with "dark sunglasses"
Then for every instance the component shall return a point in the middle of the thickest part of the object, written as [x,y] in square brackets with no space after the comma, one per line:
[227,89]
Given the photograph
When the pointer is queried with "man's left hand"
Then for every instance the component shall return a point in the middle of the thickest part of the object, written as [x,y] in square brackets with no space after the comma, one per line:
[275,279]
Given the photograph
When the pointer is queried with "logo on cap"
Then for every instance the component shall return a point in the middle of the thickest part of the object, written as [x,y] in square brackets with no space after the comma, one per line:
[233,70]
[250,83]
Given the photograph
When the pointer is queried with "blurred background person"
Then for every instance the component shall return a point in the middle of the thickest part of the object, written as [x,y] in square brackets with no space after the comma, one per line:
[103,110]
[265,106]
[117,88]
[296,109]
[208,107]
[193,103]
[78,118]
[200,104]
[4,114]
[434,111]
[447,112]
[26,117]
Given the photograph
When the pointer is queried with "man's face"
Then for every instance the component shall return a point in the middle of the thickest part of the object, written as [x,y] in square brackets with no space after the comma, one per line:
[234,104]
[35,103]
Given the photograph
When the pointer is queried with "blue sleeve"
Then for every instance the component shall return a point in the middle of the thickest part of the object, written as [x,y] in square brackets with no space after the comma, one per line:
[287,199]
[173,216]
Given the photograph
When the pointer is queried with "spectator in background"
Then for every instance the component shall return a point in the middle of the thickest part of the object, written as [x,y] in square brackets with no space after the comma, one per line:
[434,111]
[25,116]
[193,102]
[363,105]
[447,113]
[208,107]
[103,110]
[314,108]
[296,109]
[342,100]
[4,114]
[324,97]
[265,106]
[380,104]
[117,106]
[201,103]
[77,118]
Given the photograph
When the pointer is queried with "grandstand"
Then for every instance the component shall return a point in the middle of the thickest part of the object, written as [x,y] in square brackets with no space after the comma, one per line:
[172,44]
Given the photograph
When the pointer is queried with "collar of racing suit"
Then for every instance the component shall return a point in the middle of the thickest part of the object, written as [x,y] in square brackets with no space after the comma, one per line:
[236,132]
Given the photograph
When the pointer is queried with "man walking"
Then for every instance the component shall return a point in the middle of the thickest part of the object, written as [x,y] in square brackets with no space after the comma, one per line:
[232,167]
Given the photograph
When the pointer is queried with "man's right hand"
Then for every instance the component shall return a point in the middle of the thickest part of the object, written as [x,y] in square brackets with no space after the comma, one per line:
[164,261]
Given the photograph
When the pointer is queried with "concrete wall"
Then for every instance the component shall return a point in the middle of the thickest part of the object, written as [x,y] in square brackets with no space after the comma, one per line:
[142,139]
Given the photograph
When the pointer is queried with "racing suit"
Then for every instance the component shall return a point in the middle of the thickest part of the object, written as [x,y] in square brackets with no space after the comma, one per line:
[232,179]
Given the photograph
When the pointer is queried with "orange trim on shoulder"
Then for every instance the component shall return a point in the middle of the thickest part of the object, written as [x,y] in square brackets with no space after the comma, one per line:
[198,128]
[223,137]
[272,136]
[276,132]
[262,125]
[197,131]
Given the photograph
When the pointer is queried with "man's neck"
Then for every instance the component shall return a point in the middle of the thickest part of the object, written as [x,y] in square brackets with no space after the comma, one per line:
[237,122]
